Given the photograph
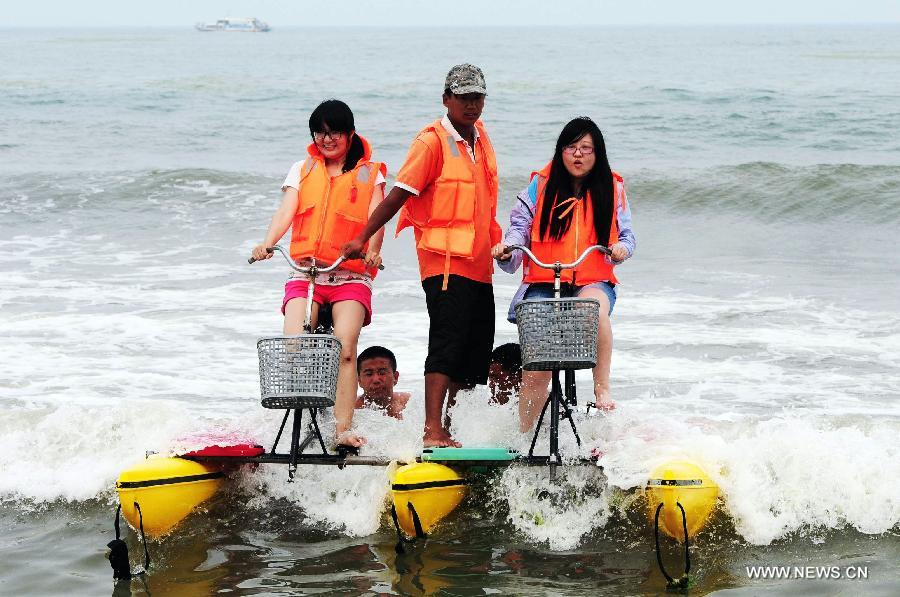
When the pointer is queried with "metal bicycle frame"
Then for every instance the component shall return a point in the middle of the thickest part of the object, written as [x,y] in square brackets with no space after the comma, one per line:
[557,400]
[296,456]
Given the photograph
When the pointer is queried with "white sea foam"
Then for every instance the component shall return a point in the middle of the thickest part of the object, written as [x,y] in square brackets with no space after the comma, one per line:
[560,513]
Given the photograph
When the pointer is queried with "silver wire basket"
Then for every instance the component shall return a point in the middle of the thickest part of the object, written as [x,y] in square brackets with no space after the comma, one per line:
[558,333]
[298,371]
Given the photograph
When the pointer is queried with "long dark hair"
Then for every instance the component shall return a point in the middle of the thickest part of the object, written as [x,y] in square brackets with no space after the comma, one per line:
[335,115]
[599,182]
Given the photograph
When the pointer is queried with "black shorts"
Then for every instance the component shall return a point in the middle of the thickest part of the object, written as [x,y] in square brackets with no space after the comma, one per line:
[461,328]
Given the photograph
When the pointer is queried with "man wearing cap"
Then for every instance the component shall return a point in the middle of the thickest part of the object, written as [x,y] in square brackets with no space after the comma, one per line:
[447,189]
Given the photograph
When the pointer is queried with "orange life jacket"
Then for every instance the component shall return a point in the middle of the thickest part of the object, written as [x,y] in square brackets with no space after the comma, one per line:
[443,215]
[577,238]
[332,211]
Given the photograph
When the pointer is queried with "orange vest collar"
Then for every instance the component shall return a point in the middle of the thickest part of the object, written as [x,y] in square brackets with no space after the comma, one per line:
[543,172]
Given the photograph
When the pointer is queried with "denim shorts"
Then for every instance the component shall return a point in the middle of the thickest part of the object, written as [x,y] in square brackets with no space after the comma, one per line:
[546,291]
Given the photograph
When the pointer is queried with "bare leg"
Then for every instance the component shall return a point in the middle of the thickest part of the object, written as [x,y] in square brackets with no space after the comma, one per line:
[295,312]
[602,398]
[435,434]
[348,320]
[532,396]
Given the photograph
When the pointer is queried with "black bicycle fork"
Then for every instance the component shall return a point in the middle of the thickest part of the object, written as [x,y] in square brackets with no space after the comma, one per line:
[558,404]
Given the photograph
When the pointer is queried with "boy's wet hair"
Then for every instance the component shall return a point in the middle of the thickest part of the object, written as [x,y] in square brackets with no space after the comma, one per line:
[508,356]
[376,352]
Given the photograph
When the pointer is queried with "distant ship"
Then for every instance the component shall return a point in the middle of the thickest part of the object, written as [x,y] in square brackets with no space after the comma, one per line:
[240,24]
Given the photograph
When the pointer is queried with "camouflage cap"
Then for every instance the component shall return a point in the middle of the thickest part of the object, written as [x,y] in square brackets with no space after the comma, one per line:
[465,78]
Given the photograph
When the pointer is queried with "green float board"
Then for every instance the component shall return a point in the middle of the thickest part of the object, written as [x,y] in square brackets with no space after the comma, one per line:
[462,454]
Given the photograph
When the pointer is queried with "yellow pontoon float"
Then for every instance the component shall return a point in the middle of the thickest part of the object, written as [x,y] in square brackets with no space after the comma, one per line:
[160,492]
[680,497]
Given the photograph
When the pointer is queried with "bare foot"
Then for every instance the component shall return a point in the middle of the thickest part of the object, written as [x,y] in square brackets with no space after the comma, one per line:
[604,402]
[439,439]
[348,438]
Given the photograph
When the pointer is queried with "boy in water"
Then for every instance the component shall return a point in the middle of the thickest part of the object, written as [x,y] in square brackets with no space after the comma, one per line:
[376,369]
[505,373]
[447,189]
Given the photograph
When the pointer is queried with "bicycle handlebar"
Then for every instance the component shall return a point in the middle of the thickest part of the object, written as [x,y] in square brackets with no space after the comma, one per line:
[300,268]
[575,263]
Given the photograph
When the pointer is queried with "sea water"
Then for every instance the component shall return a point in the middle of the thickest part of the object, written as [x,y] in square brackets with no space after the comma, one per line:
[756,330]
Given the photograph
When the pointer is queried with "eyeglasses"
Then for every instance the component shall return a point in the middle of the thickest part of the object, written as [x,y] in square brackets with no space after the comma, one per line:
[331,135]
[584,149]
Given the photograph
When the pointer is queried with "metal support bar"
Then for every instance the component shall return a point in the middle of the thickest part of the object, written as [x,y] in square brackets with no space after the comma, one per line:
[318,433]
[295,454]
[537,428]
[280,429]
[555,399]
[307,322]
[570,387]
[337,460]
[310,436]
[568,415]
[558,404]
[295,443]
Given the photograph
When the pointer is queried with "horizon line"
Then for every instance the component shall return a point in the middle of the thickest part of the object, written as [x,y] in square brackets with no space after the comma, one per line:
[490,26]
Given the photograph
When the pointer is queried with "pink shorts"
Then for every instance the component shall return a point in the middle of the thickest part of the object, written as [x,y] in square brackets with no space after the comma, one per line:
[329,294]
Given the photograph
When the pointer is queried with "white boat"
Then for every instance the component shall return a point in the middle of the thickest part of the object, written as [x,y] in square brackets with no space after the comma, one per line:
[240,24]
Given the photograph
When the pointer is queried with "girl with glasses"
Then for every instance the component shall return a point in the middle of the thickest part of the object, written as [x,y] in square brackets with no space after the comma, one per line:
[574,202]
[327,199]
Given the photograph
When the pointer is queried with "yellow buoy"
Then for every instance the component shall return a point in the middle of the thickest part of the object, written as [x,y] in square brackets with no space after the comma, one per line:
[685,483]
[427,491]
[166,491]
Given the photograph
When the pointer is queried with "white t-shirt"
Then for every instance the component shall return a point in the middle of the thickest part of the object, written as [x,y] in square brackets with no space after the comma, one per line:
[340,276]
[293,177]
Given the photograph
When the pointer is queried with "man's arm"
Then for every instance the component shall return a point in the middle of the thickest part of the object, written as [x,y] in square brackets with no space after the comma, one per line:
[419,170]
[381,216]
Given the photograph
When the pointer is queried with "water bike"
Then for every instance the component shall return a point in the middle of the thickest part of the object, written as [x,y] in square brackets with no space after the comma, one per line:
[299,373]
[558,335]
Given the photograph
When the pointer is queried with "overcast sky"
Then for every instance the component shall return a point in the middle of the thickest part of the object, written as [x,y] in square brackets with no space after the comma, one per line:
[291,13]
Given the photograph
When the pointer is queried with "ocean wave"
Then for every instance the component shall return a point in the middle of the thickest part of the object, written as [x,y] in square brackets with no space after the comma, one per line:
[36,194]
[767,190]
[779,477]
[760,189]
